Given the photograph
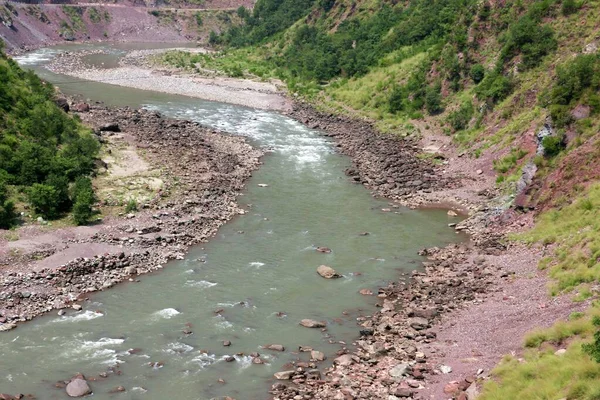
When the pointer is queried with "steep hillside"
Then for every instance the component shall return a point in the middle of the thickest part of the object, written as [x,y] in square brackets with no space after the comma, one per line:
[46,156]
[27,25]
[509,89]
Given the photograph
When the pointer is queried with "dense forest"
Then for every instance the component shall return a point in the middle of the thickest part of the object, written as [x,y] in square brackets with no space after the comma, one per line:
[46,156]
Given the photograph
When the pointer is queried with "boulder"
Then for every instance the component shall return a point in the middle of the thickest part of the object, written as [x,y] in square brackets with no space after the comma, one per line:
[284,375]
[326,250]
[327,272]
[418,323]
[7,327]
[110,127]
[311,323]
[317,355]
[344,360]
[81,107]
[61,102]
[78,387]
[274,347]
[399,370]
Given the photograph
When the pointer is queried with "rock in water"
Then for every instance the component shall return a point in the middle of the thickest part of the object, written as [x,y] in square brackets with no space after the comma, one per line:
[311,323]
[274,347]
[78,388]
[284,375]
[327,272]
[326,250]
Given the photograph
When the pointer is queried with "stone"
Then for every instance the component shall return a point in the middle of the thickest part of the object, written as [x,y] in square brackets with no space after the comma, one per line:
[451,387]
[62,102]
[403,392]
[274,347]
[317,355]
[452,213]
[418,323]
[7,327]
[110,127]
[284,375]
[365,292]
[344,360]
[262,185]
[81,107]
[479,172]
[76,307]
[327,272]
[226,343]
[445,369]
[78,387]
[399,370]
[472,391]
[326,250]
[311,323]
[560,352]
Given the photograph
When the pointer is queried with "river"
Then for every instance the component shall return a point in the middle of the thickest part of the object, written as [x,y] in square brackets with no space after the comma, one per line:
[259,269]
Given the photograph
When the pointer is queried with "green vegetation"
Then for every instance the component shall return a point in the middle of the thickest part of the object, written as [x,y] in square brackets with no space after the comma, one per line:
[131,206]
[542,374]
[42,149]
[75,14]
[575,229]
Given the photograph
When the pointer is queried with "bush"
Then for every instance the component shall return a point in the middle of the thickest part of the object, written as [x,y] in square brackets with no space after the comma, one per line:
[553,145]
[7,207]
[531,39]
[494,87]
[569,7]
[433,99]
[44,199]
[593,349]
[84,199]
[131,206]
[561,115]
[477,73]
[198,18]
[460,118]
[396,99]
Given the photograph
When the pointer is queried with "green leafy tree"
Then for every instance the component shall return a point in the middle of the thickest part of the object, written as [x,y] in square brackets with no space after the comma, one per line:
[433,99]
[477,73]
[44,199]
[84,200]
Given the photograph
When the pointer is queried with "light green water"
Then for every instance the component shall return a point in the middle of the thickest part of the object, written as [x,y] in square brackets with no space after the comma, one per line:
[253,276]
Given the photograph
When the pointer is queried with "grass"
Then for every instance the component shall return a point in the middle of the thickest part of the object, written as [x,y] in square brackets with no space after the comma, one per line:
[507,163]
[575,230]
[541,375]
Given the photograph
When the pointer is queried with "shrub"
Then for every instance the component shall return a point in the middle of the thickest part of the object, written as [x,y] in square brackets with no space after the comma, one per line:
[531,39]
[561,115]
[553,145]
[131,206]
[494,87]
[477,73]
[7,214]
[84,199]
[569,7]
[593,349]
[433,99]
[198,17]
[44,199]
[460,118]
[396,99]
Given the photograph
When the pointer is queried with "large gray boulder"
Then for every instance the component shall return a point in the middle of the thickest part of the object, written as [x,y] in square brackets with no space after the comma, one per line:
[78,387]
[327,272]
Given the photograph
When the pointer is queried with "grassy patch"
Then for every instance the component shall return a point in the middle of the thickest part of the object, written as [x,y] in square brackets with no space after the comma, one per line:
[575,229]
[540,374]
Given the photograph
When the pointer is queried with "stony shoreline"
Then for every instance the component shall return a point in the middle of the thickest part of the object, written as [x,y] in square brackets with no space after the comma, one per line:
[204,172]
[395,357]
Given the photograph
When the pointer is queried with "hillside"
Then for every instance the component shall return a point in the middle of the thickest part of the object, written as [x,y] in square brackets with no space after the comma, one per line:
[30,25]
[508,88]
[46,155]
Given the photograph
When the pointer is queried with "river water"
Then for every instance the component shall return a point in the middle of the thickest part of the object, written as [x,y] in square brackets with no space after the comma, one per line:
[264,279]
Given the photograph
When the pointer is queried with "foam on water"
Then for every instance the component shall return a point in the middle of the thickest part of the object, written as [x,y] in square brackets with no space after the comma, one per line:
[178,348]
[37,57]
[166,313]
[204,360]
[200,284]
[84,316]
[256,264]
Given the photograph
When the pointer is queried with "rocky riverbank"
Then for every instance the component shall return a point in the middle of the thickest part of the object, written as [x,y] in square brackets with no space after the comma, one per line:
[134,72]
[202,171]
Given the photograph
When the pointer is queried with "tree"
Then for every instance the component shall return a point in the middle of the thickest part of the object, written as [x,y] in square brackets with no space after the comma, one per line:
[44,199]
[477,73]
[433,99]
[84,199]
[7,207]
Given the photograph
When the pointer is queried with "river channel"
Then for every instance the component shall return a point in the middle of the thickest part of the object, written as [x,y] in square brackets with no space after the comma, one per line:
[263,279]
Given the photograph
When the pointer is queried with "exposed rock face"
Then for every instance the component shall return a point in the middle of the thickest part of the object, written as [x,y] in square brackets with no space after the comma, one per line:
[327,272]
[78,387]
